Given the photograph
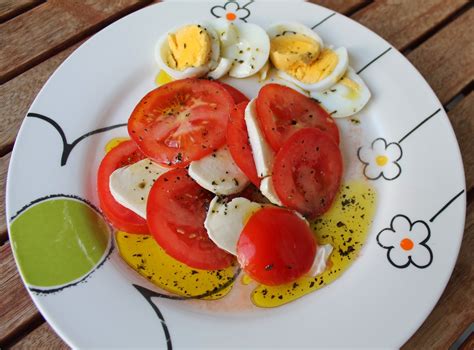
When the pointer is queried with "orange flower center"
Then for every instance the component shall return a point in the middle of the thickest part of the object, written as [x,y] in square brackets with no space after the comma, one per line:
[406,244]
[230,16]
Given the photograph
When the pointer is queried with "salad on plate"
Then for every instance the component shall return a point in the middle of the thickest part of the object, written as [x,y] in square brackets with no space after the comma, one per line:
[213,184]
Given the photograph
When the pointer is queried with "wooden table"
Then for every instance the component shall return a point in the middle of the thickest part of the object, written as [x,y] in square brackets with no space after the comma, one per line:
[437,36]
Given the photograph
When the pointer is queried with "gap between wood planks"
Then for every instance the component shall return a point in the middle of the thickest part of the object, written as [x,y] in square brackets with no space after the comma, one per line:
[18,9]
[436,28]
[73,40]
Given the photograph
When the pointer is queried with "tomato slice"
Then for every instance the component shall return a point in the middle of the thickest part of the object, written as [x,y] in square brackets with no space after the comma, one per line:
[238,96]
[239,145]
[176,211]
[276,246]
[181,121]
[124,154]
[307,172]
[283,111]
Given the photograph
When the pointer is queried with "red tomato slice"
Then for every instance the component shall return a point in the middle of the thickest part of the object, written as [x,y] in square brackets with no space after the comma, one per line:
[176,211]
[283,111]
[276,246]
[236,94]
[307,172]
[239,145]
[124,154]
[181,121]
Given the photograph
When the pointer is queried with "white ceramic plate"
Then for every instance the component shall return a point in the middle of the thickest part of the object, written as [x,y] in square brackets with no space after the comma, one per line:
[89,295]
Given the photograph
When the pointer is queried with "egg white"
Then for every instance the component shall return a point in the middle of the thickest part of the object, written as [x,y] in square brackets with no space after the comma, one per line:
[293,27]
[246,45]
[342,101]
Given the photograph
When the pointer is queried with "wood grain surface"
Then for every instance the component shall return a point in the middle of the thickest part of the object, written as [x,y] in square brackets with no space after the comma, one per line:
[4,161]
[405,22]
[17,310]
[342,6]
[437,37]
[42,337]
[17,94]
[11,8]
[52,26]
[448,64]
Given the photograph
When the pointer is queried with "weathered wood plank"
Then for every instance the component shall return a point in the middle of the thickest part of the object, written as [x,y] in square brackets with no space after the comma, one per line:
[52,26]
[42,337]
[17,95]
[446,60]
[403,22]
[17,310]
[4,161]
[462,119]
[11,8]
[455,310]
[341,6]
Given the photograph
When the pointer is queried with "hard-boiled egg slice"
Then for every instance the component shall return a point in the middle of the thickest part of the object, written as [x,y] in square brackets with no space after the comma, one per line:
[246,44]
[218,173]
[330,76]
[285,28]
[300,56]
[222,68]
[188,51]
[320,260]
[345,98]
[131,185]
[225,221]
[263,154]
[274,76]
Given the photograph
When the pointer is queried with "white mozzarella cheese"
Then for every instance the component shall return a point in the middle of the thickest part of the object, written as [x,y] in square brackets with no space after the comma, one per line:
[263,154]
[225,221]
[267,189]
[131,185]
[320,260]
[218,173]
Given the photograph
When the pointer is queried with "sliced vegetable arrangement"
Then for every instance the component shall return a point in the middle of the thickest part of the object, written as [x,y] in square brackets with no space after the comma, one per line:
[220,180]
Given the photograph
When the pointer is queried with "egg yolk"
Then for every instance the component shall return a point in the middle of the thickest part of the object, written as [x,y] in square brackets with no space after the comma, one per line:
[190,46]
[301,57]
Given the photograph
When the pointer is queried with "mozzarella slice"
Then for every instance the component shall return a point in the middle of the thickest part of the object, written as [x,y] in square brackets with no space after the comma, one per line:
[131,185]
[225,221]
[268,190]
[218,173]
[345,98]
[263,154]
[320,260]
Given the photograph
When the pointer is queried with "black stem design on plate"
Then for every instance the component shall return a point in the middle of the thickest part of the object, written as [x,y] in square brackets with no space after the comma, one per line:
[420,124]
[323,20]
[68,147]
[104,259]
[375,59]
[149,294]
[446,206]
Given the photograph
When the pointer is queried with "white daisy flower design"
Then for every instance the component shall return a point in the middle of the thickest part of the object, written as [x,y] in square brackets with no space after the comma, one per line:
[406,242]
[231,11]
[381,159]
